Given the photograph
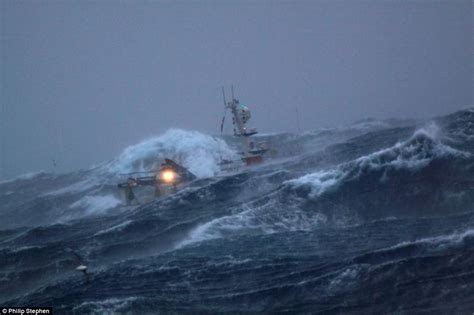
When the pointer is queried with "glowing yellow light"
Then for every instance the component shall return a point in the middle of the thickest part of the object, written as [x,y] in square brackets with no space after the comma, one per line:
[168,176]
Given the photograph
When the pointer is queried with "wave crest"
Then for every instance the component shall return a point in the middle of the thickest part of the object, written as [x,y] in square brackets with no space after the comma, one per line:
[196,151]
[412,155]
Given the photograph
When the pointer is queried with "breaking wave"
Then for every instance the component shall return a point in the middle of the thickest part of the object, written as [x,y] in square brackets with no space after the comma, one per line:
[350,220]
[411,155]
[96,204]
[198,152]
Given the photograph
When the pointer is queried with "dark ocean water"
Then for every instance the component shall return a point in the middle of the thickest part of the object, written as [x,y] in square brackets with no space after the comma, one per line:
[376,217]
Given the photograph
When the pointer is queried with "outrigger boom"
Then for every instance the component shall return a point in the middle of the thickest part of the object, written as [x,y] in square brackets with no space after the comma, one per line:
[170,174]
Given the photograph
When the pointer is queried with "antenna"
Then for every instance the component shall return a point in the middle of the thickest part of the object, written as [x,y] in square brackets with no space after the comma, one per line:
[298,119]
[223,96]
[225,110]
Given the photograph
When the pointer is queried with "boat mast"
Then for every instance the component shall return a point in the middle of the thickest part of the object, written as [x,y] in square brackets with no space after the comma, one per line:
[240,115]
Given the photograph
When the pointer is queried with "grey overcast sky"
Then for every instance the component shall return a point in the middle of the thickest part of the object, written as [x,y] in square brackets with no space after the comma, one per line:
[81,80]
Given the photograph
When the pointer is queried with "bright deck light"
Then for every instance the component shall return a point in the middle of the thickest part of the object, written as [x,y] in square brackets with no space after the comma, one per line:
[168,176]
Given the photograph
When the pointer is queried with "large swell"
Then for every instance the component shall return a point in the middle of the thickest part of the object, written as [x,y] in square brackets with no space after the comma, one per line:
[352,219]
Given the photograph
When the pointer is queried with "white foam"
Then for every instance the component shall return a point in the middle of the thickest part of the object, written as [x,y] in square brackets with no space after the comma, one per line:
[368,124]
[266,219]
[198,152]
[24,248]
[78,187]
[107,306]
[115,228]
[345,278]
[26,176]
[229,262]
[321,181]
[412,154]
[96,204]
[436,243]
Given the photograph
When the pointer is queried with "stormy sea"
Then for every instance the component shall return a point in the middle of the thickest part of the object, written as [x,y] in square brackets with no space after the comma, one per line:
[374,217]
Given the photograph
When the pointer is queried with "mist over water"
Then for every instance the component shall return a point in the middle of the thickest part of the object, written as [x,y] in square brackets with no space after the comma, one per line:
[358,218]
[81,80]
[363,203]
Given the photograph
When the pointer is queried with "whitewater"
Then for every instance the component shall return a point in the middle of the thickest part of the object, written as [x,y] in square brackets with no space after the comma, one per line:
[355,219]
